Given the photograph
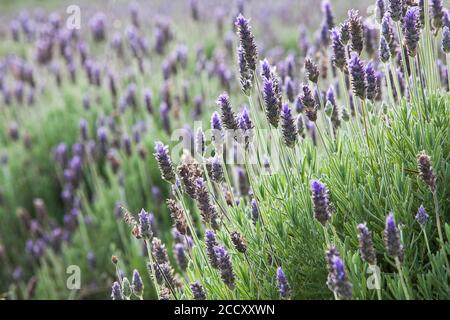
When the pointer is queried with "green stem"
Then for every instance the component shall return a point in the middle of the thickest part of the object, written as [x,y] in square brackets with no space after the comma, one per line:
[426,241]
[402,279]
[438,219]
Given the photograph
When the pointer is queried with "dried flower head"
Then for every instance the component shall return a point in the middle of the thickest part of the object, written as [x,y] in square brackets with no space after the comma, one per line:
[239,241]
[178,216]
[426,170]
[309,103]
[312,71]
[356,31]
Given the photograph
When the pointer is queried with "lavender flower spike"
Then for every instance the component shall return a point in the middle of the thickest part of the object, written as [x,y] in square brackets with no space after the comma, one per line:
[137,284]
[437,13]
[312,70]
[228,117]
[385,53]
[338,279]
[283,285]
[116,291]
[288,126]
[164,162]
[207,209]
[392,238]
[254,211]
[338,47]
[446,40]
[371,82]
[396,9]
[411,26]
[197,291]
[381,9]
[356,31]
[245,75]
[422,216]
[320,200]
[366,248]
[309,103]
[210,241]
[145,225]
[271,102]
[247,41]
[426,170]
[239,242]
[225,266]
[200,142]
[217,130]
[358,74]
[328,12]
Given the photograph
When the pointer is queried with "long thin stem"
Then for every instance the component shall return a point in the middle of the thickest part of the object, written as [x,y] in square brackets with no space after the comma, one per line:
[402,279]
[426,240]
[438,218]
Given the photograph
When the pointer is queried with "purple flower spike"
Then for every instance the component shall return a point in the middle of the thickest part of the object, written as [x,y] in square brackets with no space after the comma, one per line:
[288,126]
[254,211]
[145,225]
[366,248]
[437,13]
[309,102]
[225,266]
[396,9]
[271,102]
[245,123]
[116,291]
[385,53]
[371,82]
[164,162]
[338,47]
[210,241]
[392,238]
[381,9]
[422,216]
[180,255]
[358,78]
[356,31]
[338,279]
[228,117]
[197,291]
[137,284]
[446,40]
[328,12]
[320,199]
[411,27]
[426,171]
[247,41]
[283,285]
